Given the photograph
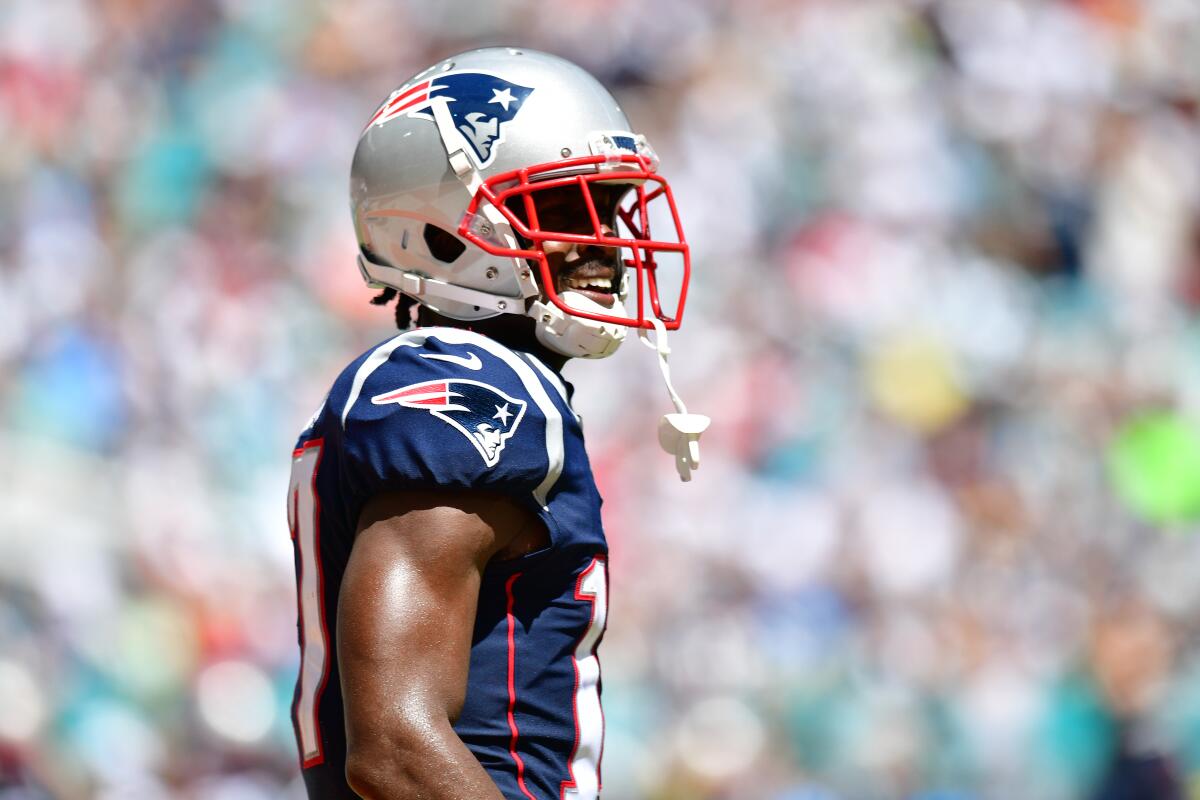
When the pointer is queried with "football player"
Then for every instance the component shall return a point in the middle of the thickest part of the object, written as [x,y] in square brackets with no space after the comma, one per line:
[451,564]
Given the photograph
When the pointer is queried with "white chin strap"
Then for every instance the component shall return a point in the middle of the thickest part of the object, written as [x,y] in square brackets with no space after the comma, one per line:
[678,433]
[574,336]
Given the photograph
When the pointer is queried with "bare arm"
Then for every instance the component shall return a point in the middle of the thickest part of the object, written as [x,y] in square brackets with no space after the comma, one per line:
[406,613]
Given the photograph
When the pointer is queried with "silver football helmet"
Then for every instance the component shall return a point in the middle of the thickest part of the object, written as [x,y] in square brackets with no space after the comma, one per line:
[445,189]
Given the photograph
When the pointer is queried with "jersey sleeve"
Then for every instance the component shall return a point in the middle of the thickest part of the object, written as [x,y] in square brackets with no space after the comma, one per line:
[421,412]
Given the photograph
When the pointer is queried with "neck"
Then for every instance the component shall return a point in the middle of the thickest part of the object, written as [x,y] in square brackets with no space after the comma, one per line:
[510,330]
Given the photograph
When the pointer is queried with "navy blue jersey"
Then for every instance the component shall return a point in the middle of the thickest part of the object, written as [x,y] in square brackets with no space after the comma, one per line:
[444,407]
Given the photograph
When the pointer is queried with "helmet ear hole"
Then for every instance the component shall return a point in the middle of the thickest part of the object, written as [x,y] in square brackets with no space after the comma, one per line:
[443,245]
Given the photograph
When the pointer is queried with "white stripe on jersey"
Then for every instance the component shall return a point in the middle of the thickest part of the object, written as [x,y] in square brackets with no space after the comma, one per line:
[551,376]
[374,361]
[555,381]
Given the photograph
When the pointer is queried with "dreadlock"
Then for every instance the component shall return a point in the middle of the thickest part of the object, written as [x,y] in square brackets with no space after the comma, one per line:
[404,306]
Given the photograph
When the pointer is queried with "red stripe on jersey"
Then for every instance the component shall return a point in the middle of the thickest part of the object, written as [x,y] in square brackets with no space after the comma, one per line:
[512,687]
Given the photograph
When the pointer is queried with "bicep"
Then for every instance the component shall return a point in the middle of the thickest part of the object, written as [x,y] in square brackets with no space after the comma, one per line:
[406,610]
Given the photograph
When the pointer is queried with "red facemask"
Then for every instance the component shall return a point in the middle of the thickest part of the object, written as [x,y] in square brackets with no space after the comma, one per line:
[660,268]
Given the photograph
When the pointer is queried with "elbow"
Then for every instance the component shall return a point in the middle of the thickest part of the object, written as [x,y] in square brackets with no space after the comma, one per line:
[363,776]
[383,770]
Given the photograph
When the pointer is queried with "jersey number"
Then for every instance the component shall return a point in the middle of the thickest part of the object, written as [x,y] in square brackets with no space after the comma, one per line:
[304,519]
[589,719]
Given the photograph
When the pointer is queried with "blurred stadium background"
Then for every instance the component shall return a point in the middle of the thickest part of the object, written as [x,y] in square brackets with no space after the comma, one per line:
[947,277]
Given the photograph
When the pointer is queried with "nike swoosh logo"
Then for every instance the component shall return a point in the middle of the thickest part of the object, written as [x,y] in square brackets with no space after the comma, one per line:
[470,362]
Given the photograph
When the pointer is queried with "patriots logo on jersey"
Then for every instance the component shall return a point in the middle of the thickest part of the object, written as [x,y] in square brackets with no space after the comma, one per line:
[479,104]
[481,412]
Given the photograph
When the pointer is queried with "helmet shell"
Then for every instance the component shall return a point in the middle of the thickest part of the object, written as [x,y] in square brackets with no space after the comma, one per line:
[401,179]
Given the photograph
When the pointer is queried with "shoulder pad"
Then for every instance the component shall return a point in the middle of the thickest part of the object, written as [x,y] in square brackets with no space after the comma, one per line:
[448,407]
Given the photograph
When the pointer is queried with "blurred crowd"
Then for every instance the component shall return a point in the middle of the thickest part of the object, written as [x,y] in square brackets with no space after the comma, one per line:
[946,282]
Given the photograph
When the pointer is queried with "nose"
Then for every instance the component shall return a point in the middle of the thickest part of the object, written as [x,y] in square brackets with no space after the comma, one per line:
[587,248]
[605,230]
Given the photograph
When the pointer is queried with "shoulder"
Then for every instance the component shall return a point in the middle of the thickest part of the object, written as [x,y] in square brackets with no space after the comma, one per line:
[402,370]
[443,406]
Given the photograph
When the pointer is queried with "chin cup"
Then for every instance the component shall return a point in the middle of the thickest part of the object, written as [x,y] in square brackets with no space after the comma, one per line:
[574,336]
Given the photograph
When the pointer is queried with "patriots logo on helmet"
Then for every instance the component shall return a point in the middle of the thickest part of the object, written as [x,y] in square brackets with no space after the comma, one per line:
[479,104]
[482,413]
